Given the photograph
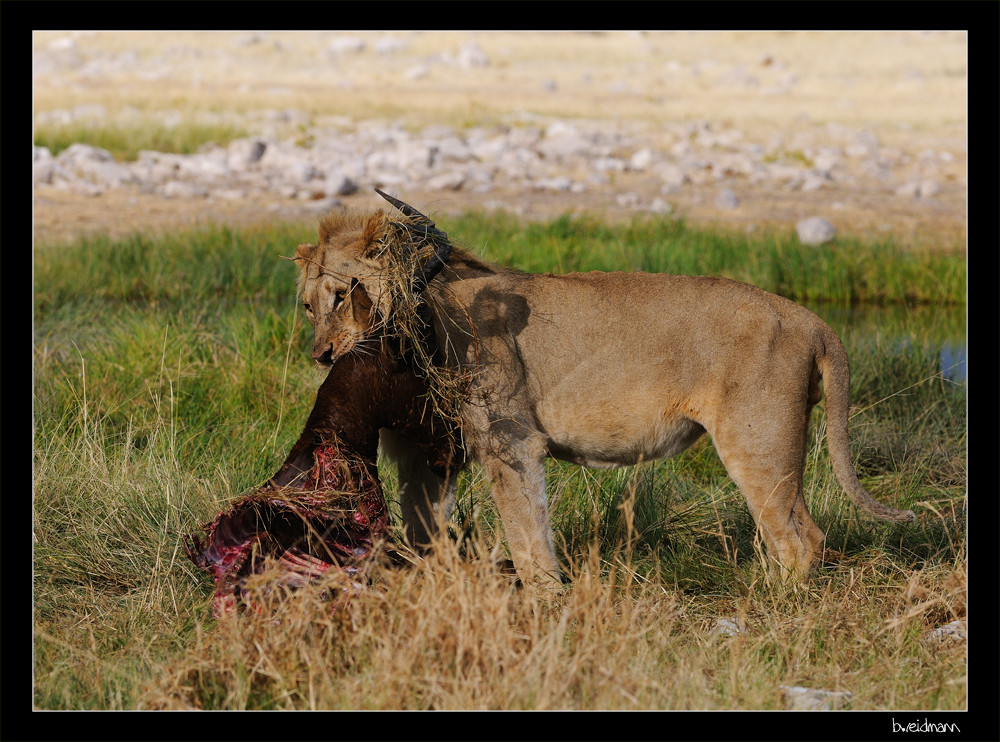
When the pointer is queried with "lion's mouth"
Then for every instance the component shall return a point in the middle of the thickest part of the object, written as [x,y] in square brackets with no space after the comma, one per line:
[339,347]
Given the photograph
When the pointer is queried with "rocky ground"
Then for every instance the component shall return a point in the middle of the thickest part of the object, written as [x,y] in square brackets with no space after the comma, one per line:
[780,137]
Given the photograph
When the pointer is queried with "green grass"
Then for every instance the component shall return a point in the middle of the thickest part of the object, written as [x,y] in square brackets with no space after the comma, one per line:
[171,375]
[125,141]
[846,272]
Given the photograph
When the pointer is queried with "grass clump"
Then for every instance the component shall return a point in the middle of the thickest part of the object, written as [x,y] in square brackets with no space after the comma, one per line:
[171,376]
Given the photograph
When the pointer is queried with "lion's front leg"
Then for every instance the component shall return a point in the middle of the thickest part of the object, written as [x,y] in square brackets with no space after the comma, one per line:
[425,499]
[518,488]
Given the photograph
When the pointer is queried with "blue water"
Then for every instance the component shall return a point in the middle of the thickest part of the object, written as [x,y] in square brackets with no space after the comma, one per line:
[942,329]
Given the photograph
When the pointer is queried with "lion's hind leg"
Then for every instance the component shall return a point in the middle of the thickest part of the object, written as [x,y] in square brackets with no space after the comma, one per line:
[771,482]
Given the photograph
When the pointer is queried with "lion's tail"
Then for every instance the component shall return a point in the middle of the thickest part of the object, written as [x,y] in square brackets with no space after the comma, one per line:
[834,369]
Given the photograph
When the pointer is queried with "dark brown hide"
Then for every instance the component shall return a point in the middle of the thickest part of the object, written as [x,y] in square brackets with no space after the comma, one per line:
[325,507]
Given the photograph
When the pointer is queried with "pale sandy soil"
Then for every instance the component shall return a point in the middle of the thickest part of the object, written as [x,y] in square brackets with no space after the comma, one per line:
[908,89]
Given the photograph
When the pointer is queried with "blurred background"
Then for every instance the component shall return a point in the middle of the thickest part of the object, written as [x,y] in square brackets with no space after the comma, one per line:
[866,130]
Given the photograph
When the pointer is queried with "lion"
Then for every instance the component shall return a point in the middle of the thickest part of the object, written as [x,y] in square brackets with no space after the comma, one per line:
[599,369]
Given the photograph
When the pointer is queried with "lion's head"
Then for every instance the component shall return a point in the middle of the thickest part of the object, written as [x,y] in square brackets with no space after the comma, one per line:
[365,269]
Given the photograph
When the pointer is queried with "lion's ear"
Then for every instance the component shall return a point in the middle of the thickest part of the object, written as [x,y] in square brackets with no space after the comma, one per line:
[372,237]
[361,306]
[304,250]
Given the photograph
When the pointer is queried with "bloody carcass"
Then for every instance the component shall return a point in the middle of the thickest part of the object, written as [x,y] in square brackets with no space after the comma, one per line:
[324,508]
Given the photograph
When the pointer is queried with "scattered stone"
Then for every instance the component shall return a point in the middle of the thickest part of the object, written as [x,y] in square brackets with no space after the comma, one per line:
[929,188]
[340,183]
[951,633]
[93,165]
[628,200]
[815,231]
[659,206]
[242,153]
[229,194]
[389,46]
[345,45]
[726,199]
[673,177]
[417,72]
[561,183]
[42,165]
[252,39]
[339,157]
[449,181]
[727,627]
[610,164]
[563,143]
[800,698]
[812,183]
[62,43]
[184,189]
[641,160]
[471,56]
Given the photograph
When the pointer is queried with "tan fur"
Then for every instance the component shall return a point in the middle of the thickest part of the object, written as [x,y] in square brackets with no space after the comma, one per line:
[609,369]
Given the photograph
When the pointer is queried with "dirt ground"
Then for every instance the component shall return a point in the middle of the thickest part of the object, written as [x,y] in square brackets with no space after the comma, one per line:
[907,88]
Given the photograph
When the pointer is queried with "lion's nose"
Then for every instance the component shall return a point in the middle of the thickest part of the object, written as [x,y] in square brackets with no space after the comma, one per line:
[324,356]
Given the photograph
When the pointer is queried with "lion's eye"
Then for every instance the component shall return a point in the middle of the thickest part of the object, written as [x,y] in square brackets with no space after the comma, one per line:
[308,308]
[338,298]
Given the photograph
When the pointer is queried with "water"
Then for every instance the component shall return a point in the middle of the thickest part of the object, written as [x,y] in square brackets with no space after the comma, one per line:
[942,328]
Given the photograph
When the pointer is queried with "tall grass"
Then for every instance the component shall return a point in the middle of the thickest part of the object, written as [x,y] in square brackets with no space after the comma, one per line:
[848,272]
[171,375]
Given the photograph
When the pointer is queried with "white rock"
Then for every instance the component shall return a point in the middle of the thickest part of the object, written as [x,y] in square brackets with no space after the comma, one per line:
[389,46]
[243,153]
[340,183]
[813,183]
[929,188]
[564,145]
[950,633]
[608,164]
[62,43]
[449,181]
[345,45]
[800,698]
[229,194]
[727,627]
[726,199]
[815,231]
[659,206]
[641,159]
[417,72]
[42,165]
[92,164]
[628,200]
[471,55]
[672,176]
[184,189]
[452,148]
[560,183]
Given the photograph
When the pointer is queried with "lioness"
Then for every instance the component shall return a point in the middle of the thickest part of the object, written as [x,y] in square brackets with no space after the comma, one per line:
[600,369]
